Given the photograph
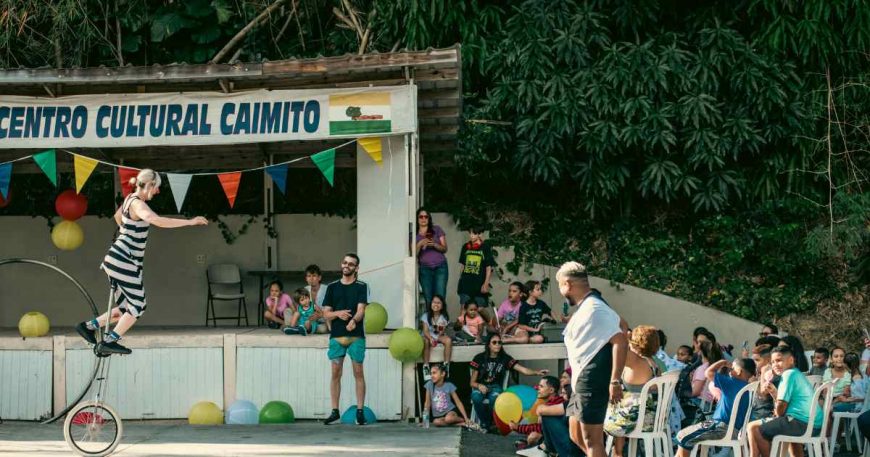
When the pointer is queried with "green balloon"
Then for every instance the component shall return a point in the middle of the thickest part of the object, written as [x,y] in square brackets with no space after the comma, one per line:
[375,318]
[406,345]
[277,412]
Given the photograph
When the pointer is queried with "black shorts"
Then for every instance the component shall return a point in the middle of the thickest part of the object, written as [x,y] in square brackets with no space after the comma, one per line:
[592,392]
[783,425]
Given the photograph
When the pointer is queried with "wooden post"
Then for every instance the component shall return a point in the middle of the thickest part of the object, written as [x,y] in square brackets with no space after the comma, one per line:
[58,373]
[229,369]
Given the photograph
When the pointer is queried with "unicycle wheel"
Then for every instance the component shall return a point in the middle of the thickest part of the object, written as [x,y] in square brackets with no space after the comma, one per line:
[93,428]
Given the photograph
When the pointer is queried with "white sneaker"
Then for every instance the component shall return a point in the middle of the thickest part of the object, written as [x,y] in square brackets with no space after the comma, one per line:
[532,452]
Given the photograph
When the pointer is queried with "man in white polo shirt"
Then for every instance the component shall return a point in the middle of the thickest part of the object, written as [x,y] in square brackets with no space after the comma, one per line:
[596,347]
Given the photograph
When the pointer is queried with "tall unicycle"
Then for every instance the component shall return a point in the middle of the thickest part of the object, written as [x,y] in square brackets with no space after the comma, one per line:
[92,427]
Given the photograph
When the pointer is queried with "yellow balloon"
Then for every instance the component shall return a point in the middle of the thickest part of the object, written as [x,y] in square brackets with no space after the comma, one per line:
[33,324]
[67,235]
[205,413]
[509,407]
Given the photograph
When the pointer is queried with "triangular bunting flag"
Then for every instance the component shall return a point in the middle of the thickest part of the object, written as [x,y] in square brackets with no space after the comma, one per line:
[47,161]
[179,185]
[5,179]
[230,183]
[325,161]
[373,147]
[125,174]
[278,173]
[84,166]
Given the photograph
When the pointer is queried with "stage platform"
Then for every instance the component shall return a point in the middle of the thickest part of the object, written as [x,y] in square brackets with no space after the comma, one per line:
[172,368]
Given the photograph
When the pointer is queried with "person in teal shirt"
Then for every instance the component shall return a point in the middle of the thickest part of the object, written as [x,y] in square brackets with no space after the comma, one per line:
[794,399]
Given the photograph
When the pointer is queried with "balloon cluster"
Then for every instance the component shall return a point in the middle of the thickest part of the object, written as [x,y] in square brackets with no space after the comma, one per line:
[68,235]
[518,404]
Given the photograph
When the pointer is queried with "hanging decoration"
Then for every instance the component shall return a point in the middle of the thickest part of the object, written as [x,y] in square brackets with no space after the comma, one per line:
[84,166]
[125,175]
[70,205]
[179,183]
[47,161]
[278,173]
[230,183]
[373,148]
[5,178]
[4,202]
[67,236]
[325,161]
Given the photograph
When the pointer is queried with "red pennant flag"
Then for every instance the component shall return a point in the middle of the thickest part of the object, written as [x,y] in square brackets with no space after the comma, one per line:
[230,183]
[125,174]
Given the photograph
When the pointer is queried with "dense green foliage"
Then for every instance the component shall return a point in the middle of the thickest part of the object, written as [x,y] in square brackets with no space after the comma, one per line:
[716,151]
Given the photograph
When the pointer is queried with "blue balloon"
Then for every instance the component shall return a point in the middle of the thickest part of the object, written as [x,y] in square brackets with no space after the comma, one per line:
[242,412]
[528,395]
[349,416]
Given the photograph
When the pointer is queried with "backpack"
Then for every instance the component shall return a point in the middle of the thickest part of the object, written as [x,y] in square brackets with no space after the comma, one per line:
[684,382]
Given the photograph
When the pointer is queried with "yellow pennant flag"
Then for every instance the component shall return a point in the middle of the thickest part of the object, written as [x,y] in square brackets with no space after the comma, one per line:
[84,166]
[373,148]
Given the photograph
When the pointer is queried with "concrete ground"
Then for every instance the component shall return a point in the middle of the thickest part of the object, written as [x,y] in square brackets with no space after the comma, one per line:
[304,438]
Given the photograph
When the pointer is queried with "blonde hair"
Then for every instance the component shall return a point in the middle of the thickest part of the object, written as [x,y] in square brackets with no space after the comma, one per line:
[572,271]
[146,178]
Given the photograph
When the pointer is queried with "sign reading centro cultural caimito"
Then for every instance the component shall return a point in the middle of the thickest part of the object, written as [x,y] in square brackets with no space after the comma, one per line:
[202,118]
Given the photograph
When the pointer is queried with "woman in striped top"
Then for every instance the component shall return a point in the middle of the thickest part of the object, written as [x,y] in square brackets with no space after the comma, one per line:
[123,262]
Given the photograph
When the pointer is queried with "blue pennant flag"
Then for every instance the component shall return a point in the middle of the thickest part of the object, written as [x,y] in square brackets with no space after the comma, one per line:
[278,173]
[5,178]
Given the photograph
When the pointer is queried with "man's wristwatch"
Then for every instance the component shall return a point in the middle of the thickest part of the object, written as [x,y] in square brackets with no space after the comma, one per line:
[615,382]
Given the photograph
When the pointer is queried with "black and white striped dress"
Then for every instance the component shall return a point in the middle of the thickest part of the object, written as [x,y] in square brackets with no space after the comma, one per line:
[123,263]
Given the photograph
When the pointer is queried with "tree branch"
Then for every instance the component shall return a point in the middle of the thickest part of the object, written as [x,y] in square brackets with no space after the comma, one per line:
[242,33]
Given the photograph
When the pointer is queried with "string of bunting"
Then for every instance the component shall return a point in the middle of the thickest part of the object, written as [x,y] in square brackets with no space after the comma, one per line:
[179,183]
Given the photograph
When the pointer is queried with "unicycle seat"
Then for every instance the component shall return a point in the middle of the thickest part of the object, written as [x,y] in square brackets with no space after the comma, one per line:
[107,349]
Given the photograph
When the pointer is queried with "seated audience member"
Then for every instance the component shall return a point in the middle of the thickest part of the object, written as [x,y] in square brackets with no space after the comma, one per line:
[533,313]
[470,325]
[864,424]
[303,320]
[476,264]
[548,392]
[769,330]
[762,407]
[317,291]
[838,372]
[554,424]
[797,349]
[662,359]
[794,398]
[433,326]
[488,371]
[684,355]
[276,303]
[710,353]
[820,362]
[622,417]
[442,400]
[509,312]
[738,376]
[853,392]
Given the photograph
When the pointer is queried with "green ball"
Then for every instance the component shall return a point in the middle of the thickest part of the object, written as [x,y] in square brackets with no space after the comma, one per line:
[277,412]
[406,345]
[375,318]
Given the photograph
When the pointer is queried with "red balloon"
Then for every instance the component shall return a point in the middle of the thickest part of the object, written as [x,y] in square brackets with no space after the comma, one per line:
[503,428]
[5,201]
[70,205]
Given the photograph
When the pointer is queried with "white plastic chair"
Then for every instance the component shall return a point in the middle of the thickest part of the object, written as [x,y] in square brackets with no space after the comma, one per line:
[817,445]
[733,439]
[657,442]
[851,427]
[815,380]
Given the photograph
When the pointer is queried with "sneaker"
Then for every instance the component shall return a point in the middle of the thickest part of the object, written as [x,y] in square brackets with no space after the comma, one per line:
[474,427]
[532,452]
[86,333]
[521,444]
[273,325]
[112,348]
[427,375]
[334,416]
[302,330]
[360,417]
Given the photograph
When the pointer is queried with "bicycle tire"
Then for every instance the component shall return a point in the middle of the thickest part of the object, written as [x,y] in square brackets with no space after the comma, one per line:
[94,422]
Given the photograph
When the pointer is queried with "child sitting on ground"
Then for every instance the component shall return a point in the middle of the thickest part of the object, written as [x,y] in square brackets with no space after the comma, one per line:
[509,312]
[276,303]
[304,319]
[442,400]
[470,324]
[433,326]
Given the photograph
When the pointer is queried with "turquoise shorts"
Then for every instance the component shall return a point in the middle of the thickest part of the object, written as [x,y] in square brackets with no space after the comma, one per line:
[355,348]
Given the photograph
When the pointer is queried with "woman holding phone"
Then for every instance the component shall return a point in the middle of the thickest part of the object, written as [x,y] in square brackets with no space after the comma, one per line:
[432,264]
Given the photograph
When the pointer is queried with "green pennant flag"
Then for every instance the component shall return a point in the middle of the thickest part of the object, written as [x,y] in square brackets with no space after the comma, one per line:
[325,161]
[47,161]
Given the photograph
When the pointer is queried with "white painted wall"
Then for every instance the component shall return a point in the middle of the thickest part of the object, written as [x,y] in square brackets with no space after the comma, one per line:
[383,214]
[25,389]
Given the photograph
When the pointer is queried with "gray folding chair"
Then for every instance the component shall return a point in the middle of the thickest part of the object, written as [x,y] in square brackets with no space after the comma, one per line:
[225,284]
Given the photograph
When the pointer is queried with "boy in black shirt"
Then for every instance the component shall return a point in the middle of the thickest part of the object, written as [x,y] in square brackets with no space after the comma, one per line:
[476,262]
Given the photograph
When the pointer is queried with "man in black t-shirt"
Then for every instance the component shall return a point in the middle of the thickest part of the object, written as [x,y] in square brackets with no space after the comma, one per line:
[344,307]
[476,262]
